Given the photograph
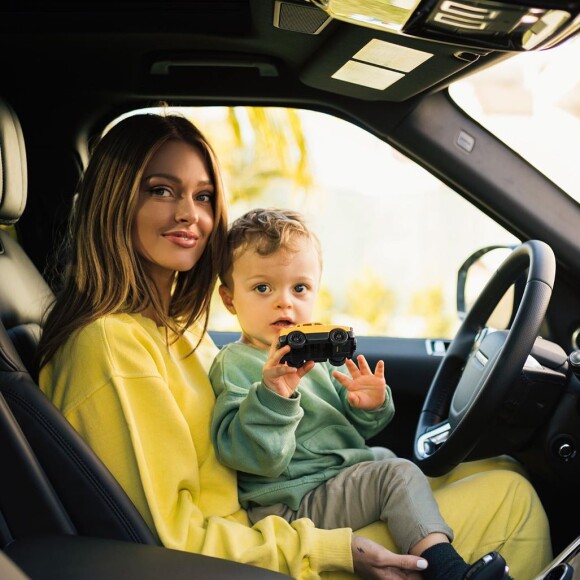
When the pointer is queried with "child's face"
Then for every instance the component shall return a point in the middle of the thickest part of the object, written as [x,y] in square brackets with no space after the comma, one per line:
[272,292]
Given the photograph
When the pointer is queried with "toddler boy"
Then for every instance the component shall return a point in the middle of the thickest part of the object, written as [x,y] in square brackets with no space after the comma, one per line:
[297,435]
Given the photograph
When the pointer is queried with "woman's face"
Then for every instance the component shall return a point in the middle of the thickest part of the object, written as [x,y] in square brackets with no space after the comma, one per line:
[174,216]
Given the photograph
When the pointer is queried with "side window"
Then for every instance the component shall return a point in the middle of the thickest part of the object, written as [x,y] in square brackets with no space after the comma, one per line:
[393,236]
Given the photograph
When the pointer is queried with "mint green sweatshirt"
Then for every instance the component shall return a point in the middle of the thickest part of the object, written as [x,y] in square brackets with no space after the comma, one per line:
[283,448]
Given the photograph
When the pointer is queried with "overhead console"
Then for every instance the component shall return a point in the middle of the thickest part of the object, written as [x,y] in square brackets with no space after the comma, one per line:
[392,50]
[507,25]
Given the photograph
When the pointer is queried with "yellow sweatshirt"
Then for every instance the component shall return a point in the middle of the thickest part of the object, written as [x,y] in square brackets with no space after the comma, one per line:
[145,409]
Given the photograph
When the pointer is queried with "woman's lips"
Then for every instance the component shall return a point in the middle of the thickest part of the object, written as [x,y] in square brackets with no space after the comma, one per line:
[186,240]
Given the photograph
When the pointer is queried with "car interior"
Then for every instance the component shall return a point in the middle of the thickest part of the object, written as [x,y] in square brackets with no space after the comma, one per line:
[69,70]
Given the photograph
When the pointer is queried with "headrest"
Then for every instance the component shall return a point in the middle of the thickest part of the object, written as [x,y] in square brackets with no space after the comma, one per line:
[24,294]
[13,174]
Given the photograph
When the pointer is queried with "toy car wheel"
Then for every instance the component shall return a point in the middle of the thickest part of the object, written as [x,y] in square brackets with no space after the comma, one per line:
[296,339]
[338,336]
[336,361]
[298,364]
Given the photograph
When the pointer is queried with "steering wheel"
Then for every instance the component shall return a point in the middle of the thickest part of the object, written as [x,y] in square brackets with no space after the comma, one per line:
[478,369]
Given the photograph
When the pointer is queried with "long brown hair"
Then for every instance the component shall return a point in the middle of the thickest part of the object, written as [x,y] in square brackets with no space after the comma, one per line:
[105,274]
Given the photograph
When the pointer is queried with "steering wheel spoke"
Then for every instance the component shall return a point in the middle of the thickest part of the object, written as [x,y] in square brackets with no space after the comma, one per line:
[432,439]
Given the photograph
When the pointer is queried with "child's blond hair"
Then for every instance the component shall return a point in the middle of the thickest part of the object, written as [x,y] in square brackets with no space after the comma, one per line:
[265,231]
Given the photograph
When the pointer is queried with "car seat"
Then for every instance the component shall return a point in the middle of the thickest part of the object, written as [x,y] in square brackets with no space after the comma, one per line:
[91,497]
[24,294]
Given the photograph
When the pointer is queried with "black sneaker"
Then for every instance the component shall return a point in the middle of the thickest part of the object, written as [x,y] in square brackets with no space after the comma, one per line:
[490,567]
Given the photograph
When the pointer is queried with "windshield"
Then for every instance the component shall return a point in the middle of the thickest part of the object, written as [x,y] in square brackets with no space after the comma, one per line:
[532,103]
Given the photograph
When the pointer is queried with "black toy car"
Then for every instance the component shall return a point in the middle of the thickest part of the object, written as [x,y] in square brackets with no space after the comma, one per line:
[317,342]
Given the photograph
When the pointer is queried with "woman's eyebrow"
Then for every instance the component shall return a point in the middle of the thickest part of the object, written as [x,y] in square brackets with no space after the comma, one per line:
[161,175]
[205,182]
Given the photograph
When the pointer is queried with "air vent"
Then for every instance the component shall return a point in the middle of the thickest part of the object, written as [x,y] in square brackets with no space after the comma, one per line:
[299,18]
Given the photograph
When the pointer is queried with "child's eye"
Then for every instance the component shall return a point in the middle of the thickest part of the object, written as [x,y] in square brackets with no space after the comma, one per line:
[300,288]
[261,288]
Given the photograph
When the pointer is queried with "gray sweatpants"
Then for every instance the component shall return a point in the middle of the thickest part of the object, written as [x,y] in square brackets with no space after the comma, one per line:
[393,490]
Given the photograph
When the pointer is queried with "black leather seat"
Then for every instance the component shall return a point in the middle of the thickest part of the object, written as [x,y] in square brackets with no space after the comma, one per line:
[24,294]
[91,500]
[91,497]
[75,557]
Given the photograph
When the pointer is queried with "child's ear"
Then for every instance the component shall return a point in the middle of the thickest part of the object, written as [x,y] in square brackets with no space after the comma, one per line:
[227,298]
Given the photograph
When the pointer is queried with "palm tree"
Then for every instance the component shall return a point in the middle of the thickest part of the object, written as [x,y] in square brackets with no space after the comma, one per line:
[259,148]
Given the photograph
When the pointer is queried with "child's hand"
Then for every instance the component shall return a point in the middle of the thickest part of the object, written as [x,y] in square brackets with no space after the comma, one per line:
[281,378]
[366,390]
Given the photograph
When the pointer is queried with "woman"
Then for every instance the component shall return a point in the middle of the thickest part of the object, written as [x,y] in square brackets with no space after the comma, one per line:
[125,356]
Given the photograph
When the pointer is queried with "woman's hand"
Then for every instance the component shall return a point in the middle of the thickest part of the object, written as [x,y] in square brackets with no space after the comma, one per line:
[282,378]
[374,562]
[366,390]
